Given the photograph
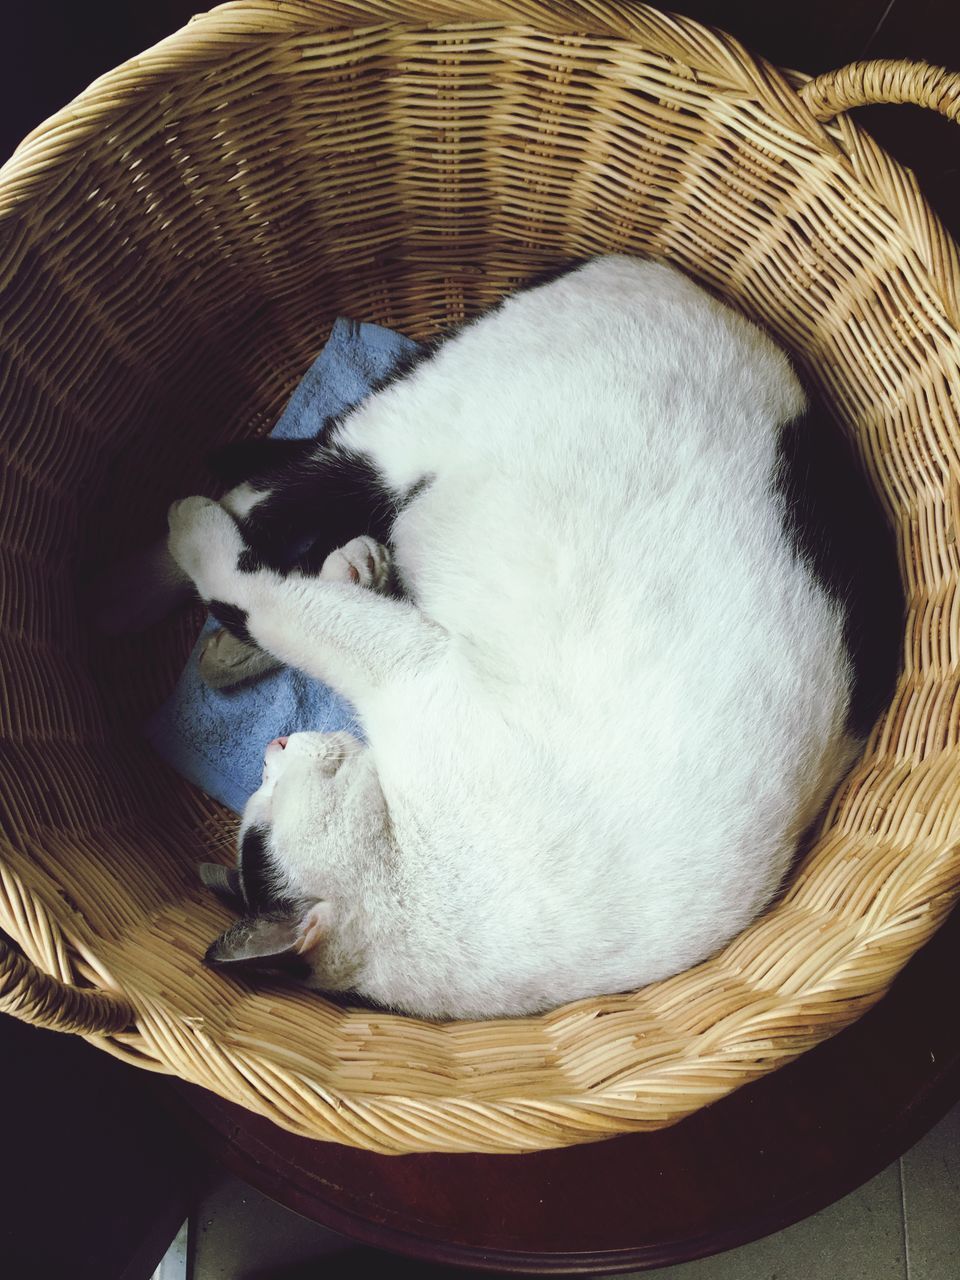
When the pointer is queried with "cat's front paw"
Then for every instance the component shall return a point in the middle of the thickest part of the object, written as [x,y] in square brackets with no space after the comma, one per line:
[361,561]
[206,543]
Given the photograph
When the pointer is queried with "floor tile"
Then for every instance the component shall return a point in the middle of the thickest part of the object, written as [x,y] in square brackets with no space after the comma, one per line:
[238,1234]
[175,1264]
[858,1238]
[931,1197]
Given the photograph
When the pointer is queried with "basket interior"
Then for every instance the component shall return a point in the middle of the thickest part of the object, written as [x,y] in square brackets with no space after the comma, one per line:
[167,293]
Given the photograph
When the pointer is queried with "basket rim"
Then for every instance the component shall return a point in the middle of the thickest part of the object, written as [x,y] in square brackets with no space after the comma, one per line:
[56,145]
[392,1123]
[47,152]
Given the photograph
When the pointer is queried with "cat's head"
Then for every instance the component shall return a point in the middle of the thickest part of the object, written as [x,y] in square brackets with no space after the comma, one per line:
[304,839]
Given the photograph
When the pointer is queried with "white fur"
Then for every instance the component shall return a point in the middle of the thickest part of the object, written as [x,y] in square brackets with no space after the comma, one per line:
[595,738]
[242,499]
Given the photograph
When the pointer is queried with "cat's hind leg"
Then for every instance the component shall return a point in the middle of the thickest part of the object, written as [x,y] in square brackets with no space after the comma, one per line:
[225,661]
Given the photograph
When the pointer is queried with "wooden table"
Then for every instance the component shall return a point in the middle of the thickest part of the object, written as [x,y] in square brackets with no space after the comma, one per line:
[763,1158]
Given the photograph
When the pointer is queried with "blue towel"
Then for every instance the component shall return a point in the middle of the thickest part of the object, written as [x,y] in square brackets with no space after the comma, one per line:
[217,739]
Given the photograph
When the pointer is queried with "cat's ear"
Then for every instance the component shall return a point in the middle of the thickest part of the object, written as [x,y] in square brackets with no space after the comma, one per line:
[224,882]
[278,940]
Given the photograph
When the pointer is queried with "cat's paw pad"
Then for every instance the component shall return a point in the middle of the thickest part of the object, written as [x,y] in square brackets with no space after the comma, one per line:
[225,661]
[206,544]
[362,561]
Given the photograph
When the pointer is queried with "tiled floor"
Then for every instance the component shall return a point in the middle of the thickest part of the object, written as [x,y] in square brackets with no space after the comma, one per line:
[903,1225]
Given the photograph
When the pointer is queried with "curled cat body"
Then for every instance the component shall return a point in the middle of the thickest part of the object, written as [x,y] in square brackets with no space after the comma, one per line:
[610,693]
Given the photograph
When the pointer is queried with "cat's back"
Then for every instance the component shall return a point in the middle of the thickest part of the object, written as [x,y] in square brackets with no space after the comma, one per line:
[609,554]
[610,557]
[651,685]
[595,449]
[582,369]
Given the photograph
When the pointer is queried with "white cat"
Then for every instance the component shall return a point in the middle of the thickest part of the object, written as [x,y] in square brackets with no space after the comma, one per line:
[612,696]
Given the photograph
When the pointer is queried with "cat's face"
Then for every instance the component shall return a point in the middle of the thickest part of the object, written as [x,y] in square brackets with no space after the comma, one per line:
[299,852]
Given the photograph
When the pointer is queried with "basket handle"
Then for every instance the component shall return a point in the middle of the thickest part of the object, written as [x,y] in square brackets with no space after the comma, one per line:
[865,84]
[36,997]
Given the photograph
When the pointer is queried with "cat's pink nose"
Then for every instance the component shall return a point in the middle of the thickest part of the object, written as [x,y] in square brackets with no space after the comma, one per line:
[278,742]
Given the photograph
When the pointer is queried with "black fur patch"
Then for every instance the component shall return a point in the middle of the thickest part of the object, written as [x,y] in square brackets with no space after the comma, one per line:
[233,619]
[255,461]
[256,879]
[416,489]
[321,494]
[837,525]
[314,506]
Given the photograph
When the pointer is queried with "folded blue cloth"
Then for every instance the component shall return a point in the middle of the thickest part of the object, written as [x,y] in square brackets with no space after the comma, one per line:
[217,739]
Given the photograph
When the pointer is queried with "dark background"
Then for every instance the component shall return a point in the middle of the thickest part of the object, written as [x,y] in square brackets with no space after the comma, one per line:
[54,48]
[94,1181]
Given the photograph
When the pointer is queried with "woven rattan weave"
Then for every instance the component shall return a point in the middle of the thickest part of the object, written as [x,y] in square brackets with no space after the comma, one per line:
[173,247]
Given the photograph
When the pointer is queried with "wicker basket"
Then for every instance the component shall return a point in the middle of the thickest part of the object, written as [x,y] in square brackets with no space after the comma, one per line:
[175,244]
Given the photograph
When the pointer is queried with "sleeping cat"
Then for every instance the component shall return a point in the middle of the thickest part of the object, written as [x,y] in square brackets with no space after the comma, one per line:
[572,573]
